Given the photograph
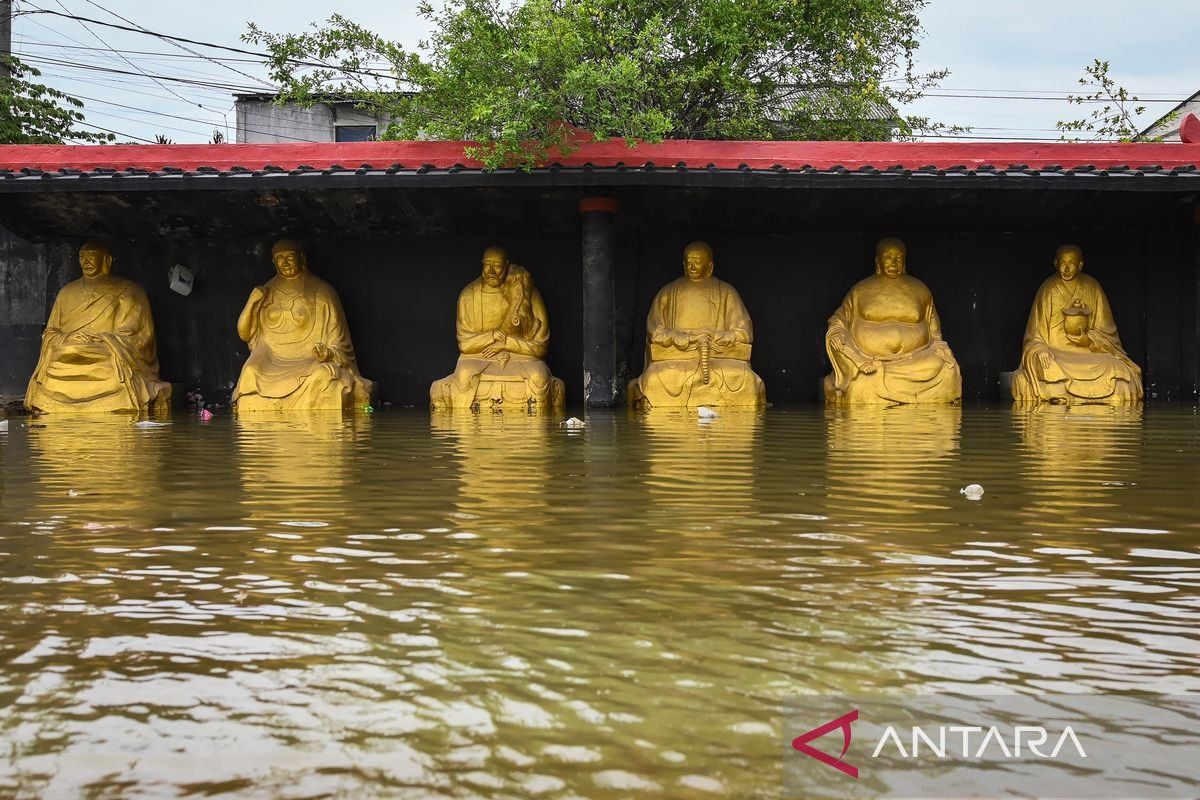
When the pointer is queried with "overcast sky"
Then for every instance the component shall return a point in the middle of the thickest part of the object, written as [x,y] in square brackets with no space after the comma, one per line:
[992,47]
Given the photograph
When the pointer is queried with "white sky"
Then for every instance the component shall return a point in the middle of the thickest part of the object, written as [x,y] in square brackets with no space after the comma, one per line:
[992,47]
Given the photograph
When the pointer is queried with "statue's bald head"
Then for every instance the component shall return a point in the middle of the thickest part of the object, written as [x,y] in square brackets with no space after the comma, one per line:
[495,266]
[697,261]
[95,259]
[288,257]
[97,247]
[1068,261]
[287,246]
[890,257]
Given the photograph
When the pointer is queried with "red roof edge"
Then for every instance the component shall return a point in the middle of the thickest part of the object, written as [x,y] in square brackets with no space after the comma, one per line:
[695,154]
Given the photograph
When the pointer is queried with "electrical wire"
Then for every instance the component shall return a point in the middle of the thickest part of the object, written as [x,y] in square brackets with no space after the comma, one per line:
[168,37]
[185,49]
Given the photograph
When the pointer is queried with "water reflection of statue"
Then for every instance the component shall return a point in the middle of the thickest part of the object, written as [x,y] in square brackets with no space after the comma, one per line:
[1078,460]
[98,350]
[1072,353]
[297,467]
[503,332]
[503,470]
[698,341]
[301,356]
[72,461]
[885,341]
[890,467]
[701,473]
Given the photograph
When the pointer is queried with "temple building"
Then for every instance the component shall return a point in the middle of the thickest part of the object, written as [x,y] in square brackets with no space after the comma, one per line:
[398,228]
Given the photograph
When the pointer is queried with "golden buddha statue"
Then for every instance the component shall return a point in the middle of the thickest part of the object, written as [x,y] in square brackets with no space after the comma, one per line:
[1072,353]
[301,356]
[98,351]
[503,332]
[698,340]
[885,341]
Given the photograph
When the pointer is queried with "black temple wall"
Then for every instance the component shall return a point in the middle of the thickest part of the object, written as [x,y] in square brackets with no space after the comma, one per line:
[792,254]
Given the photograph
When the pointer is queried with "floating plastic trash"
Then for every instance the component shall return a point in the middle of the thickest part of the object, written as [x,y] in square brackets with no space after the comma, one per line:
[3,425]
[972,492]
[573,422]
[150,424]
[707,413]
[205,415]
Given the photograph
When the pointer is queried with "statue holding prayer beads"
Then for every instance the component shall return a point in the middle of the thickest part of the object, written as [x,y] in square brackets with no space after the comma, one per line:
[698,341]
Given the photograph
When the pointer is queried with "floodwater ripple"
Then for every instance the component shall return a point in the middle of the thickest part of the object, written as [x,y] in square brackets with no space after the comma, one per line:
[494,606]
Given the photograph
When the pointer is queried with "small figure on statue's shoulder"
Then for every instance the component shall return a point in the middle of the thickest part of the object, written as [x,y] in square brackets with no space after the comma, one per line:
[503,332]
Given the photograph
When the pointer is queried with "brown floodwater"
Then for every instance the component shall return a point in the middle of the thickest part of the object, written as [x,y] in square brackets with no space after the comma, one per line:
[495,606]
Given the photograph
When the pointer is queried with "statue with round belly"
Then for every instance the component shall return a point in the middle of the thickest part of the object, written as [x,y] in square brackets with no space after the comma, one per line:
[1072,353]
[885,341]
[98,350]
[698,341]
[503,332]
[301,356]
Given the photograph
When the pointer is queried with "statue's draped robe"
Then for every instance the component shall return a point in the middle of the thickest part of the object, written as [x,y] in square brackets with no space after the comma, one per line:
[674,372]
[117,373]
[282,371]
[520,376]
[1099,371]
[893,322]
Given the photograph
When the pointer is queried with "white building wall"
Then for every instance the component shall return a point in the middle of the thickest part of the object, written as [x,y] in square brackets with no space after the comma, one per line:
[263,122]
[1170,130]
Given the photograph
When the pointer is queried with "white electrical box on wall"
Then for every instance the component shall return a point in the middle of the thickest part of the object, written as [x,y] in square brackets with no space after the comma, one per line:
[181,279]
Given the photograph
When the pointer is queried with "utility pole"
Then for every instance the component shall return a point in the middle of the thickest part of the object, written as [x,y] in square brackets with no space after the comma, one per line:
[5,35]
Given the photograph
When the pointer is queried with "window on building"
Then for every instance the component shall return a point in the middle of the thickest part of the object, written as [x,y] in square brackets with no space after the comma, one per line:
[354,133]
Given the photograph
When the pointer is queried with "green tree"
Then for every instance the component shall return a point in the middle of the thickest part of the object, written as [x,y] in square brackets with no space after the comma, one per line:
[508,74]
[31,113]
[1116,114]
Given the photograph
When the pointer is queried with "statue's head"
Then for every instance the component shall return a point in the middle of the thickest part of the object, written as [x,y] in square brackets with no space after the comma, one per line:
[495,266]
[697,261]
[1068,260]
[890,257]
[288,257]
[95,259]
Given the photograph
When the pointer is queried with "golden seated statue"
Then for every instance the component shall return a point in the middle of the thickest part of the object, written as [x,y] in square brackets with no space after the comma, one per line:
[698,340]
[885,341]
[301,356]
[1072,353]
[503,332]
[98,351]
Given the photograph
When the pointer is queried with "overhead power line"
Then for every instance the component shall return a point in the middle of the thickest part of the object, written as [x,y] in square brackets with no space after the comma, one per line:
[181,47]
[117,133]
[170,38]
[155,77]
[123,58]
